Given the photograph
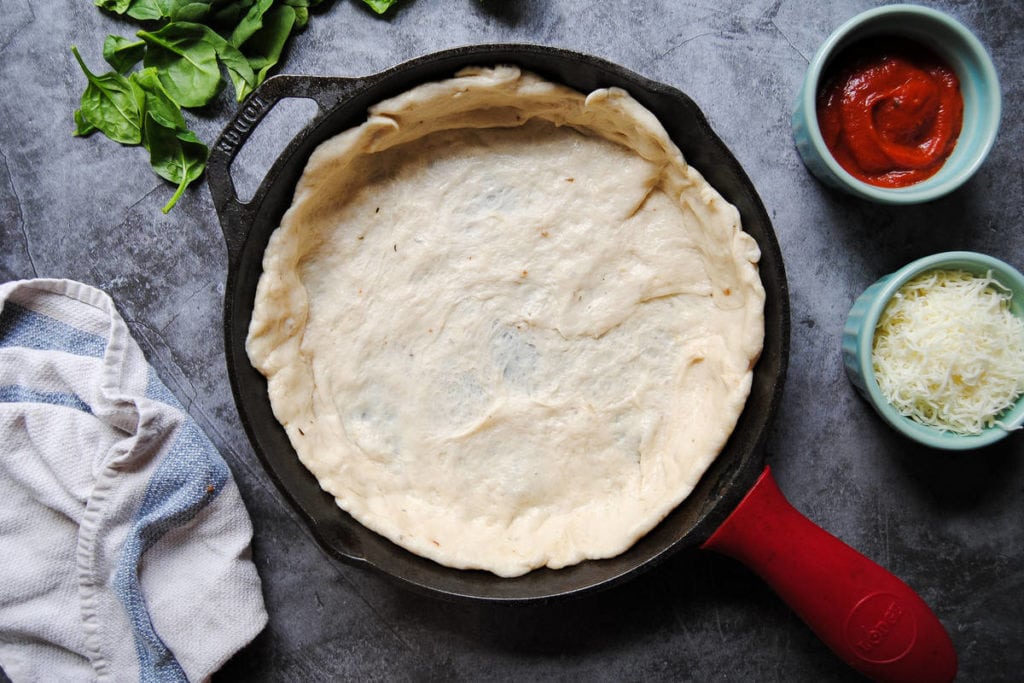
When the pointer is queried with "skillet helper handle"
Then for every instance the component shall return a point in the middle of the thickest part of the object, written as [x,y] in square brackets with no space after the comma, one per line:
[327,92]
[871,619]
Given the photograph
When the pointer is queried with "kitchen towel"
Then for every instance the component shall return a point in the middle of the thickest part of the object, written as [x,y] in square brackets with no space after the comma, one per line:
[124,542]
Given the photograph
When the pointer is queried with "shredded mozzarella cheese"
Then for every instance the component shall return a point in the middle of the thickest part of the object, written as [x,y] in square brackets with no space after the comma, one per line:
[948,352]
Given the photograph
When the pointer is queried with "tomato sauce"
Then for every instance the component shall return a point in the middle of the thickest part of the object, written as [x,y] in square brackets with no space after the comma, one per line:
[890,111]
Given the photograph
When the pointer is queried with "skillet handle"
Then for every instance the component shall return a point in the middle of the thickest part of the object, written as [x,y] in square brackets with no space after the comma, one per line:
[871,619]
[235,215]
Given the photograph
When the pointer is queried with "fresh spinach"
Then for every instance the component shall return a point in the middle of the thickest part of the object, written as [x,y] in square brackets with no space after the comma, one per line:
[235,63]
[123,53]
[250,23]
[186,62]
[109,105]
[117,6]
[146,10]
[228,14]
[178,10]
[154,100]
[82,125]
[380,6]
[191,11]
[184,47]
[138,110]
[175,155]
[263,49]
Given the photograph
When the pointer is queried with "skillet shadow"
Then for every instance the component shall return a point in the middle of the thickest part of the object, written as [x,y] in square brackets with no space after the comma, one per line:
[508,12]
[698,600]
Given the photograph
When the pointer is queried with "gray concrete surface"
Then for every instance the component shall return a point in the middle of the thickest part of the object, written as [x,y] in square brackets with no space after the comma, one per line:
[948,524]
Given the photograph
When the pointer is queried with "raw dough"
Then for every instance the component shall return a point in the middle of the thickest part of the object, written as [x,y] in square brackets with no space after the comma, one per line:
[505,324]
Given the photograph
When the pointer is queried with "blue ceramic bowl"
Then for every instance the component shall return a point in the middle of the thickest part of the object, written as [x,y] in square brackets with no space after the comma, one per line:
[979,87]
[859,334]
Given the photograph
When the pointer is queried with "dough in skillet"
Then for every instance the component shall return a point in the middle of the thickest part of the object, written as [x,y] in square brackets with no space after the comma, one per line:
[505,324]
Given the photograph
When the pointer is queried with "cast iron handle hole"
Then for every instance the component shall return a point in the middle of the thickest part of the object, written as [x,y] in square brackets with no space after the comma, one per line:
[264,145]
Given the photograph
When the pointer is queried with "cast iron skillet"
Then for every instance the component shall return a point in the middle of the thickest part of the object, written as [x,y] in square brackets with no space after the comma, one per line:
[343,103]
[713,516]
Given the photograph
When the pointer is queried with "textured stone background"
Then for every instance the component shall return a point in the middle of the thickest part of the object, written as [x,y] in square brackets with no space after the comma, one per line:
[950,525]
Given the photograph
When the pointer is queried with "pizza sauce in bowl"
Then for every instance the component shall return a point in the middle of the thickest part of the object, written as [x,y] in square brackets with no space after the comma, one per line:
[899,105]
[890,111]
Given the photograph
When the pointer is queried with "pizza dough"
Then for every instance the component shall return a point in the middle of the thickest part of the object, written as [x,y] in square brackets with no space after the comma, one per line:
[505,324]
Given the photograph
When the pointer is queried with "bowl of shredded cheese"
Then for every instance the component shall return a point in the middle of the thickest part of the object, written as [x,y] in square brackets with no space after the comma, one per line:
[937,348]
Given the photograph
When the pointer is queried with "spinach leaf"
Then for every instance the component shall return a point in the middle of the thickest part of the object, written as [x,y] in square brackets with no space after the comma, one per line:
[185,61]
[227,15]
[264,49]
[239,70]
[82,125]
[116,6]
[177,10]
[191,10]
[108,103]
[154,101]
[234,62]
[250,23]
[301,8]
[175,155]
[380,6]
[149,10]
[123,53]
[187,57]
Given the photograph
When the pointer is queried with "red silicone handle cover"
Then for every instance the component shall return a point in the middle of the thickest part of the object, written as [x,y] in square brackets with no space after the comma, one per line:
[870,618]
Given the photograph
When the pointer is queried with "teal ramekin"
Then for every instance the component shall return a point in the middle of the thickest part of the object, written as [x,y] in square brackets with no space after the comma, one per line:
[979,87]
[859,334]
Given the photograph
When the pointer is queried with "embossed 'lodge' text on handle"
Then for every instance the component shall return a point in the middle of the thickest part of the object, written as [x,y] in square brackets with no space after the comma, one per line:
[238,130]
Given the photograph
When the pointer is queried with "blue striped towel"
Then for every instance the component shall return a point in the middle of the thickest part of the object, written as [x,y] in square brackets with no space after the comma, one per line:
[124,539]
